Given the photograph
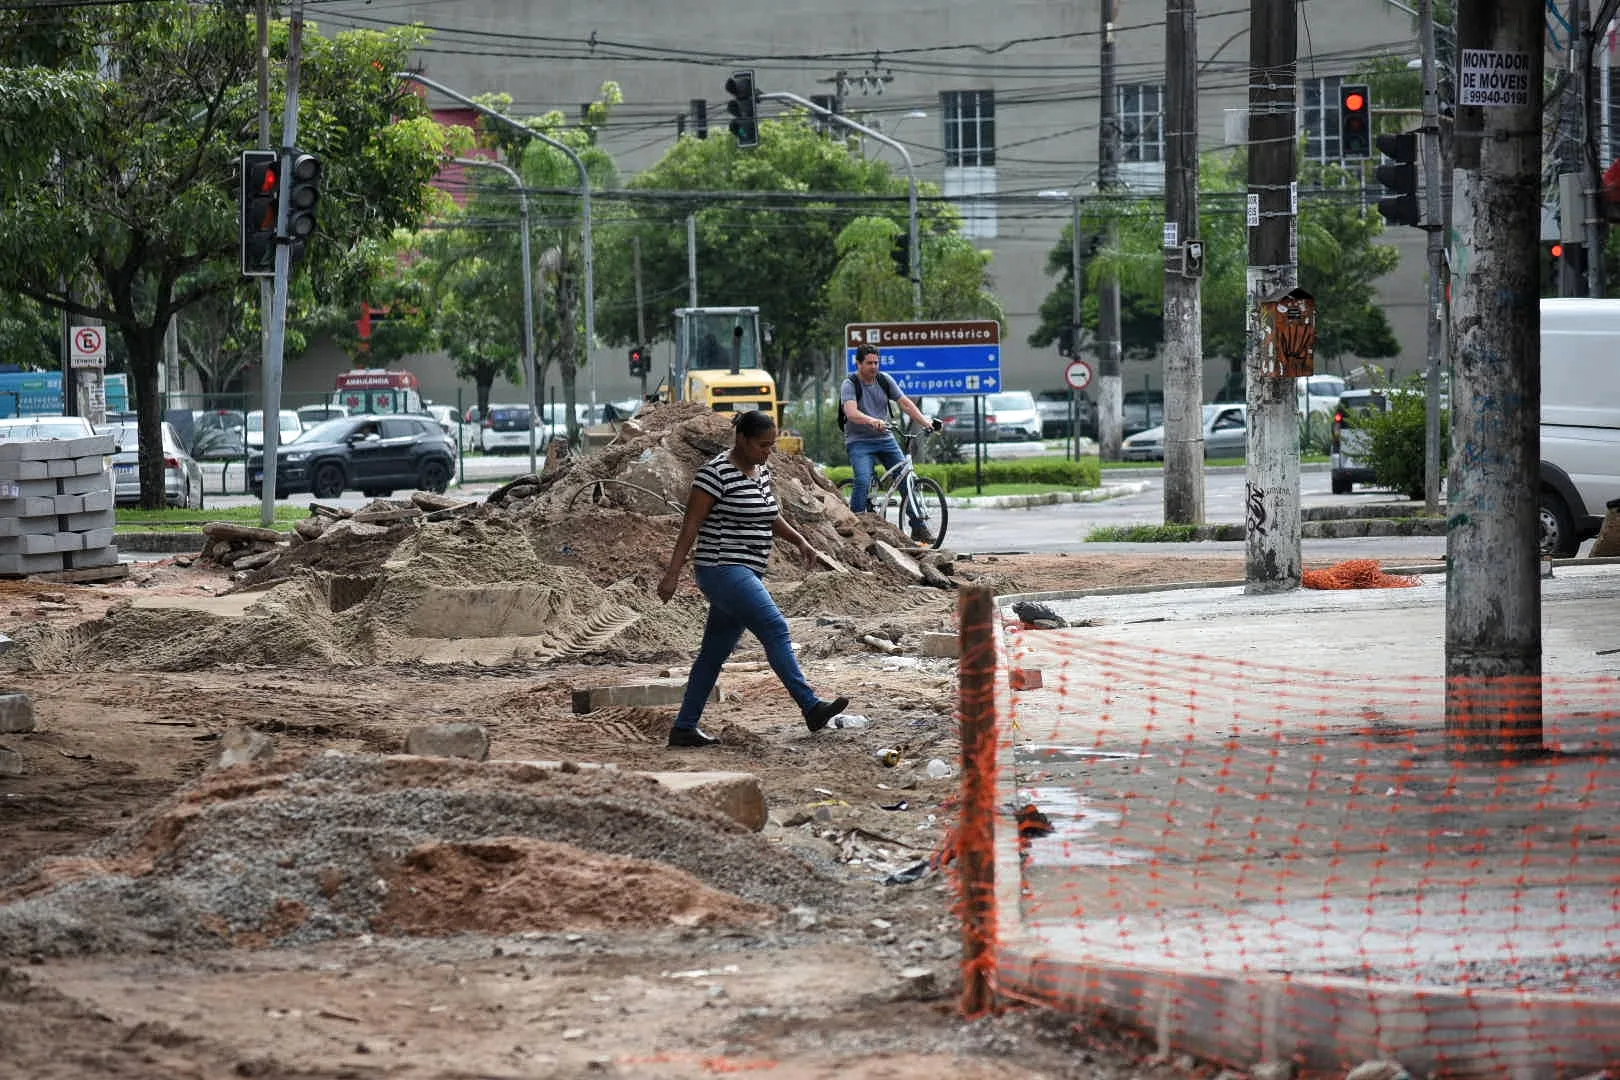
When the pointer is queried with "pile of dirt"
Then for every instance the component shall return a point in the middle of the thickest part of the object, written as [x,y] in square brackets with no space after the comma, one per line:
[333,845]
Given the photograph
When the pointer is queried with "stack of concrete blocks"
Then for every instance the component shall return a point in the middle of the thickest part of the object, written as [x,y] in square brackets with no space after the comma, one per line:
[56,505]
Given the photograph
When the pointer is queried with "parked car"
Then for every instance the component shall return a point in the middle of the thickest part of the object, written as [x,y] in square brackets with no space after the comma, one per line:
[1141,409]
[1226,431]
[310,415]
[182,476]
[447,418]
[218,433]
[287,428]
[956,418]
[32,428]
[1011,416]
[1053,406]
[1347,462]
[374,454]
[508,428]
[1318,393]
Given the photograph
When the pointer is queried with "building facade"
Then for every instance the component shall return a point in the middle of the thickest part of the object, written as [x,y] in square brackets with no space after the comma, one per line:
[997,104]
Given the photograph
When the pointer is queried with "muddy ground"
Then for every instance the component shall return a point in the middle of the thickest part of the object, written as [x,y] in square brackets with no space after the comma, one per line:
[340,909]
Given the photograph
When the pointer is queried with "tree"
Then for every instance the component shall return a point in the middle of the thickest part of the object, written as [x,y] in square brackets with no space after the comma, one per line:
[1339,260]
[778,254]
[120,201]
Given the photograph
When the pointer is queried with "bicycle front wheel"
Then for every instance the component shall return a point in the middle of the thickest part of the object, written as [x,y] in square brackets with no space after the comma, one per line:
[927,505]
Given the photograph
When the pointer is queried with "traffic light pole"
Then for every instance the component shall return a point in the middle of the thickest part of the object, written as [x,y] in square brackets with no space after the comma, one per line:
[276,341]
[1435,214]
[584,200]
[911,174]
[530,372]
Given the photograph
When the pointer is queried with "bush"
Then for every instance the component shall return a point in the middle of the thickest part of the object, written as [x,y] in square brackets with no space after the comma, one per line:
[1395,440]
[1315,433]
[1055,472]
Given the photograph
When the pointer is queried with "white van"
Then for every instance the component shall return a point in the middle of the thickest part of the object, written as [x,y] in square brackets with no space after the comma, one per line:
[1580,419]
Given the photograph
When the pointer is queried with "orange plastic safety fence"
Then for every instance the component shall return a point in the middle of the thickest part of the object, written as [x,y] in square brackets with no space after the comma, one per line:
[1355,574]
[1257,860]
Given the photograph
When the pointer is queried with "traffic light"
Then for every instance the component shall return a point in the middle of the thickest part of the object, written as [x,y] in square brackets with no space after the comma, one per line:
[1065,341]
[1399,206]
[639,364]
[900,252]
[302,197]
[1355,122]
[699,108]
[261,201]
[743,108]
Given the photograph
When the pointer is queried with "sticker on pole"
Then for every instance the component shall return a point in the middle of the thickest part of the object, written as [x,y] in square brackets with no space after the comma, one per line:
[1494,79]
[1077,374]
[87,347]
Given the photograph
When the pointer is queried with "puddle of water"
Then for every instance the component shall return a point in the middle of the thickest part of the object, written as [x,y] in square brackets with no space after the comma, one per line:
[1052,750]
[1073,840]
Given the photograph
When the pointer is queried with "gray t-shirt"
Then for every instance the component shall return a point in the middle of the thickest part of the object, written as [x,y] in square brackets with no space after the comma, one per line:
[872,400]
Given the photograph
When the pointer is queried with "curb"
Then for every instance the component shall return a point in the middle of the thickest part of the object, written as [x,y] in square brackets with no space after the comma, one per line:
[160,542]
[1050,498]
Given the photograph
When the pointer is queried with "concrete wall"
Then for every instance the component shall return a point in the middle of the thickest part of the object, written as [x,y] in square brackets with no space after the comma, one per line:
[1040,59]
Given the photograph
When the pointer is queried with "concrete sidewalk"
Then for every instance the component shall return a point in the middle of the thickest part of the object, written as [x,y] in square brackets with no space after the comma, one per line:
[1261,848]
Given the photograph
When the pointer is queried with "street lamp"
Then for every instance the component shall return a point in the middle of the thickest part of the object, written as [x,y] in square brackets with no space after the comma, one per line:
[584,199]
[528,295]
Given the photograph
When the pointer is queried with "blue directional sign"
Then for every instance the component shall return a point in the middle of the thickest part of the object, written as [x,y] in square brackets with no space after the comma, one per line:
[934,358]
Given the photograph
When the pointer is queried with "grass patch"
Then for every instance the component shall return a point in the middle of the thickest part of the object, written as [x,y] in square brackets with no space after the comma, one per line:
[1051,473]
[180,520]
[1305,459]
[1142,534]
[967,491]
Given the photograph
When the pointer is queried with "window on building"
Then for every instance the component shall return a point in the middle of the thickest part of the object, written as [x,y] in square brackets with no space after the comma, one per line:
[970,127]
[1319,117]
[970,158]
[1141,122]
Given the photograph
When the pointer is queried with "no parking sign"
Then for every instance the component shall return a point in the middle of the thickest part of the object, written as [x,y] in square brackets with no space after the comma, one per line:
[87,347]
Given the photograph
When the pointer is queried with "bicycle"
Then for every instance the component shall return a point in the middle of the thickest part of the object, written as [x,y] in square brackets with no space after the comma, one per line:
[901,489]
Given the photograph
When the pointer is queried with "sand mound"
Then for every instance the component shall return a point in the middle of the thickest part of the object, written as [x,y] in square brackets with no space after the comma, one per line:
[331,845]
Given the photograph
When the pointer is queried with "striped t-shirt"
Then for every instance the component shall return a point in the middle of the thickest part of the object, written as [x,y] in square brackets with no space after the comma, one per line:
[737,531]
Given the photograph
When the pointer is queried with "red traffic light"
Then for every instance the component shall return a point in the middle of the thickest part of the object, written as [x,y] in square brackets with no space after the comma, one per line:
[1354,102]
[1556,251]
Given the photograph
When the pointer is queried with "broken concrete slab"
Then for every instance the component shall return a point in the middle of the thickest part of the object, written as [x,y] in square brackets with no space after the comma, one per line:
[653,694]
[898,559]
[11,762]
[241,745]
[739,796]
[16,713]
[457,740]
[941,645]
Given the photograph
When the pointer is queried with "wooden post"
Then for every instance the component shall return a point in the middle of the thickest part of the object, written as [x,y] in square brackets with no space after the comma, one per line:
[975,854]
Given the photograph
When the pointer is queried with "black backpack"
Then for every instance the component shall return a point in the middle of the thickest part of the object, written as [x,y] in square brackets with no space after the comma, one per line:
[891,389]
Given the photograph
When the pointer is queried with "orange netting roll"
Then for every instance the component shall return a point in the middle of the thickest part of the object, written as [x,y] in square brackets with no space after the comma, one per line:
[1355,574]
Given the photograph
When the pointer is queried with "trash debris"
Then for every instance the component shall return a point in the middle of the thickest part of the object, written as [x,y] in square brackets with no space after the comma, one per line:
[915,872]
[938,769]
[888,757]
[901,805]
[850,721]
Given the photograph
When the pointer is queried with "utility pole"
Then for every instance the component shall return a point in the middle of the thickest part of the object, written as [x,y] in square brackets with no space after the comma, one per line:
[691,260]
[1591,171]
[1572,169]
[1110,396]
[1435,222]
[1272,520]
[1183,323]
[1493,589]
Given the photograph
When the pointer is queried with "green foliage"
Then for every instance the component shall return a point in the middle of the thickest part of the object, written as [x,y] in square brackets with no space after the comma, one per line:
[129,191]
[808,267]
[1395,439]
[1315,434]
[1339,260]
[823,439]
[1143,534]
[1054,473]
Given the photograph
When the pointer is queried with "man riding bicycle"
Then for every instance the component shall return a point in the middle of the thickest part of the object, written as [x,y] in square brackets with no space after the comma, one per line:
[864,401]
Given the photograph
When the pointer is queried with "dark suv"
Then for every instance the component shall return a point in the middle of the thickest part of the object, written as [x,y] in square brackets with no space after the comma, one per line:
[374,454]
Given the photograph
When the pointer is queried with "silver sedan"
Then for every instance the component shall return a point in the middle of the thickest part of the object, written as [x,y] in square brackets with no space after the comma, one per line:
[182,476]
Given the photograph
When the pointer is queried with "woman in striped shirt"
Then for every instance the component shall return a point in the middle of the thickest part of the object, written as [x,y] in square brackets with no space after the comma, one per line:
[733,518]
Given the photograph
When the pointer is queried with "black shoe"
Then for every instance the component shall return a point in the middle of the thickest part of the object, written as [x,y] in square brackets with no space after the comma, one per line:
[921,535]
[691,736]
[823,711]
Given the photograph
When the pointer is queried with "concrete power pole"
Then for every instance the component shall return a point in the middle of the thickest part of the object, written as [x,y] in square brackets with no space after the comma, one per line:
[1183,323]
[1272,524]
[1493,590]
[1435,217]
[1110,396]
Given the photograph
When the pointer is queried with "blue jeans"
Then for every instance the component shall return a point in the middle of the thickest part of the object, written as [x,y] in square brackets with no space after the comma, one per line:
[864,456]
[737,602]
